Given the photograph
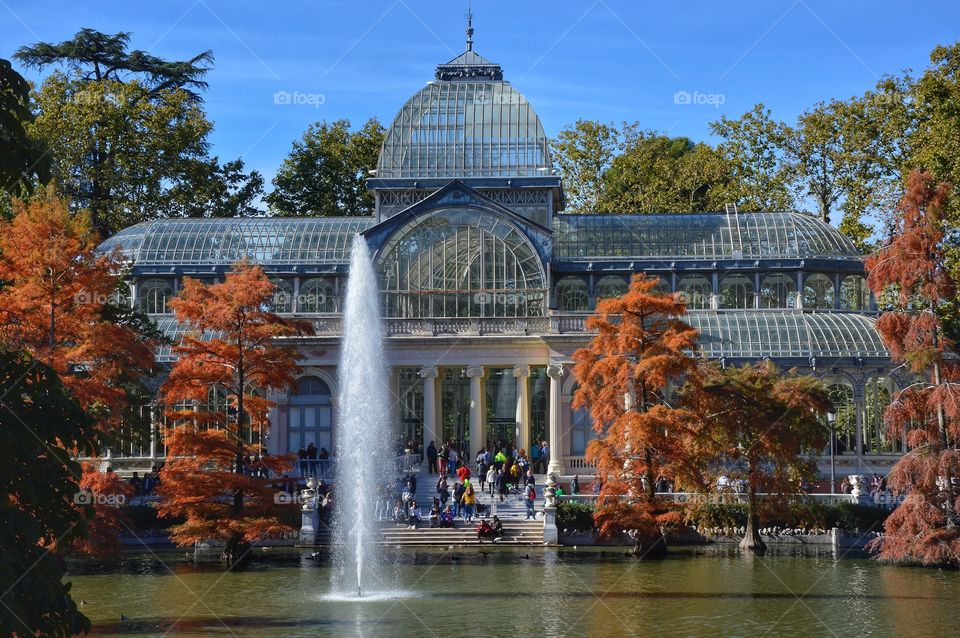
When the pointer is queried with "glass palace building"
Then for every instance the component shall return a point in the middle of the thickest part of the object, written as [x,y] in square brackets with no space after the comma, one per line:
[486,284]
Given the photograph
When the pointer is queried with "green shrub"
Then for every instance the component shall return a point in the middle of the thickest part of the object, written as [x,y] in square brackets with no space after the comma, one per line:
[854,517]
[575,516]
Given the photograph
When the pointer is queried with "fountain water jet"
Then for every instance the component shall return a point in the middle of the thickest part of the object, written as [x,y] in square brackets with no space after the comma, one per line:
[361,433]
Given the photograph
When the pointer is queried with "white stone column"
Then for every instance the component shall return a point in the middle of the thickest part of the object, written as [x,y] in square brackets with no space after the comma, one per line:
[429,376]
[475,374]
[555,372]
[522,373]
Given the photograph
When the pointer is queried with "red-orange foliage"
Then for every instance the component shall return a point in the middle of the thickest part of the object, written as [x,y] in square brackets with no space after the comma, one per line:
[210,454]
[641,348]
[754,426]
[52,303]
[108,493]
[912,267]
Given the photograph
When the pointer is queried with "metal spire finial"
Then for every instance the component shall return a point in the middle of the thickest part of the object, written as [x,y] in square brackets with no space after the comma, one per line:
[469,27]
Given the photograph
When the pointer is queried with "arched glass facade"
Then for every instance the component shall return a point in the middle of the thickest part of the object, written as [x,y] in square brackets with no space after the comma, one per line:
[461,263]
[573,294]
[696,291]
[817,291]
[778,291]
[736,291]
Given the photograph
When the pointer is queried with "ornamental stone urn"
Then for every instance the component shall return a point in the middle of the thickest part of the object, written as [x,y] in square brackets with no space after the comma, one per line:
[310,516]
[856,485]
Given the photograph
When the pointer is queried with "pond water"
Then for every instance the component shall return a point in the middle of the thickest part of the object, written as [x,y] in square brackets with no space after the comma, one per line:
[519,593]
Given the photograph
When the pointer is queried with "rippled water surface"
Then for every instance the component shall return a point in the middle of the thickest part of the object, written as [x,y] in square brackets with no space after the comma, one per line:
[520,593]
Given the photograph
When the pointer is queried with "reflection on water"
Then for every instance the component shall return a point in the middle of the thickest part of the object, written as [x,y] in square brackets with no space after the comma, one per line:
[535,592]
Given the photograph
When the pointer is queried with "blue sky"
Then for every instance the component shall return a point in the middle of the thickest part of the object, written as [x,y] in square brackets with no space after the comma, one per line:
[610,60]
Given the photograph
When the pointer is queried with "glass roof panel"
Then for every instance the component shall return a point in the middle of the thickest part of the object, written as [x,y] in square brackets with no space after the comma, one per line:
[697,236]
[266,240]
[756,334]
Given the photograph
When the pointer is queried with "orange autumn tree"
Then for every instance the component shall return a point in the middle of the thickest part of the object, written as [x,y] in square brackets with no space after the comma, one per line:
[55,296]
[55,304]
[755,425]
[230,347]
[641,349]
[910,273]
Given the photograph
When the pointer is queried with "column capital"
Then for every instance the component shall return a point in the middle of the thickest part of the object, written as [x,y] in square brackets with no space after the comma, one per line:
[475,372]
[555,370]
[429,372]
[521,372]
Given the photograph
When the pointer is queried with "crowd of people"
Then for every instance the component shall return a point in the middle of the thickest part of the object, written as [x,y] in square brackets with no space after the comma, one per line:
[311,462]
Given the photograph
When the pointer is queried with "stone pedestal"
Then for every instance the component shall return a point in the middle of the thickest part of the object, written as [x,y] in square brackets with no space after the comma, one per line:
[550,532]
[309,513]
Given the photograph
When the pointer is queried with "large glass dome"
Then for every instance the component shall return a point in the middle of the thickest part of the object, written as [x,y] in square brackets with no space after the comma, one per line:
[466,123]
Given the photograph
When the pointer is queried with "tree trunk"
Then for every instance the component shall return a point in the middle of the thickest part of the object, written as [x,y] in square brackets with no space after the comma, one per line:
[236,553]
[655,547]
[752,542]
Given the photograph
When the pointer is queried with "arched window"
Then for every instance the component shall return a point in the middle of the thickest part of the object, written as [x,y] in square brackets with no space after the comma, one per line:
[581,431]
[316,295]
[572,294]
[310,418]
[609,287]
[878,392]
[817,291]
[282,300]
[778,291]
[695,290]
[854,294]
[153,296]
[843,416]
[461,262]
[736,291]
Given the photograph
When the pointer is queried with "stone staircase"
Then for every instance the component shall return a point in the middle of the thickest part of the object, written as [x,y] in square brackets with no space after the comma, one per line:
[515,532]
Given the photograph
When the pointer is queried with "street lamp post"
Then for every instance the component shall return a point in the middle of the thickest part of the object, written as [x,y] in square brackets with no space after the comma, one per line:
[832,420]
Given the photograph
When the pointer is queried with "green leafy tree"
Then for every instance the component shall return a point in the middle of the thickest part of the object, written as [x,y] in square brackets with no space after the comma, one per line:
[41,428]
[128,133]
[583,154]
[753,144]
[660,174]
[821,163]
[24,161]
[326,171]
[754,425]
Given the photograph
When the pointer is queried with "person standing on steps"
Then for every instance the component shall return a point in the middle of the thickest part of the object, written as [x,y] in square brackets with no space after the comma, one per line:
[575,485]
[469,500]
[458,499]
[443,492]
[530,496]
[502,484]
[431,458]
[492,479]
[442,460]
[544,457]
[529,479]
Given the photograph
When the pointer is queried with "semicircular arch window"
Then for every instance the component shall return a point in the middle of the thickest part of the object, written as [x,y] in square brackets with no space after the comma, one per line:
[611,286]
[461,262]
